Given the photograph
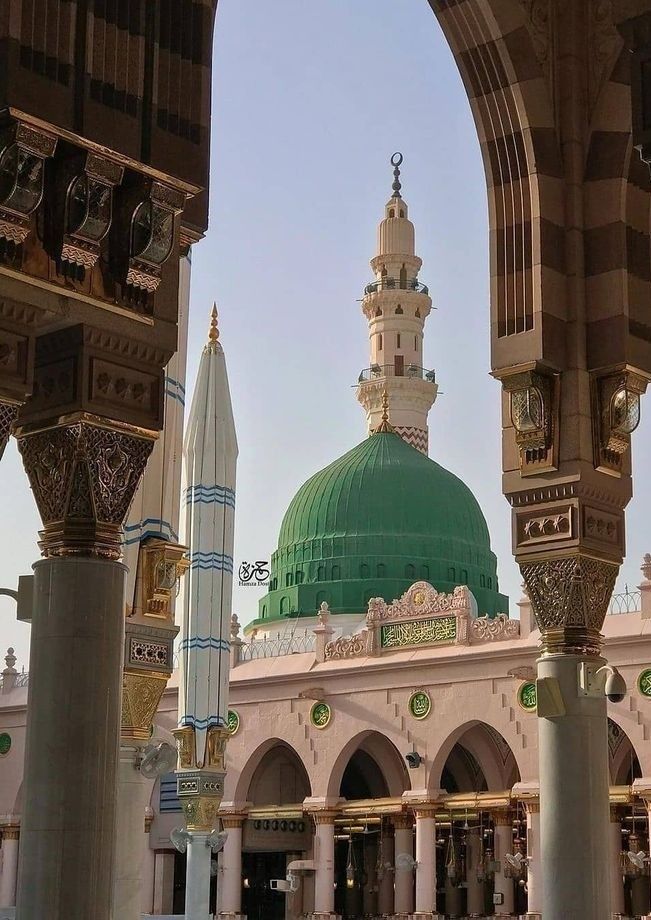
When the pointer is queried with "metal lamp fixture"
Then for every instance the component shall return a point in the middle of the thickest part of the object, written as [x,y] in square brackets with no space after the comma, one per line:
[533,411]
[616,415]
[350,865]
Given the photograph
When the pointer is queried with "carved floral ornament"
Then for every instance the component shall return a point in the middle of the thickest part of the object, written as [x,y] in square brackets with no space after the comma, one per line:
[570,597]
[422,617]
[84,477]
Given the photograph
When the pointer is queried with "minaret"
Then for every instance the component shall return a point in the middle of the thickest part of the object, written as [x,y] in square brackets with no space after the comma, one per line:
[210,461]
[396,306]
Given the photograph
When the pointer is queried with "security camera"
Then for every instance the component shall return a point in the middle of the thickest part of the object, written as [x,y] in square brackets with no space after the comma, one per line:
[414,760]
[615,686]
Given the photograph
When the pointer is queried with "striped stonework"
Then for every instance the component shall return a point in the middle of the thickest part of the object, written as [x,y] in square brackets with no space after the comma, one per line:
[417,437]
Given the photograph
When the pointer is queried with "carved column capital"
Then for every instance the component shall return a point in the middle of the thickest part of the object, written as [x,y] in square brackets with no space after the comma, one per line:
[403,821]
[10,832]
[84,473]
[232,821]
[570,598]
[501,818]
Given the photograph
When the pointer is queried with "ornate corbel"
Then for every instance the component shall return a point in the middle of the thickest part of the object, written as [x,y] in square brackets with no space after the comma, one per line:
[615,416]
[570,598]
[81,210]
[84,473]
[23,152]
[534,411]
[145,230]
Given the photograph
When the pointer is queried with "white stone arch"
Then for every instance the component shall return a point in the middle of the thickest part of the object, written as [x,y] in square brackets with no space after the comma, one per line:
[490,749]
[382,750]
[619,753]
[242,783]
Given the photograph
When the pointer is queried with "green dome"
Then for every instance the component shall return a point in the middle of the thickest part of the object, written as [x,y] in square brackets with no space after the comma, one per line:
[371,524]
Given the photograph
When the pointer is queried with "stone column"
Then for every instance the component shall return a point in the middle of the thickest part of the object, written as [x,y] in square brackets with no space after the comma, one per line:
[164,882]
[324,881]
[534,879]
[425,863]
[231,874]
[148,869]
[294,899]
[503,836]
[9,853]
[615,863]
[452,899]
[385,893]
[133,795]
[83,476]
[369,889]
[570,597]
[404,877]
[474,887]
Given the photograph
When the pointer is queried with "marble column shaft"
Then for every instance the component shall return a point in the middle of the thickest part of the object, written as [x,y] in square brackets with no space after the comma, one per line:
[404,878]
[385,893]
[474,887]
[71,760]
[426,862]
[503,837]
[324,882]
[230,879]
[534,867]
[9,875]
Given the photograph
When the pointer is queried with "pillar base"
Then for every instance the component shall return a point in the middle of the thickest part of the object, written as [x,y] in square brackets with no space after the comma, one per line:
[422,915]
[320,915]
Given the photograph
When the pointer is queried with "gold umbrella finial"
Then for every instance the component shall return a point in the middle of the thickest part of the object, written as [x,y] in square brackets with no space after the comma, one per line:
[213,334]
[385,424]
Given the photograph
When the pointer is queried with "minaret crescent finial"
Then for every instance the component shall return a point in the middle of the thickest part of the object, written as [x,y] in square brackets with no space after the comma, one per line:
[396,162]
[213,334]
[385,424]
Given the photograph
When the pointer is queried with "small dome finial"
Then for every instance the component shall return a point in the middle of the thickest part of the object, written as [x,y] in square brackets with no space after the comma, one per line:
[213,334]
[385,424]
[396,162]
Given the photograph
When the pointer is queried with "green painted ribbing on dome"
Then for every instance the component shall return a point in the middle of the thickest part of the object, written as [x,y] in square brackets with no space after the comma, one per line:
[362,525]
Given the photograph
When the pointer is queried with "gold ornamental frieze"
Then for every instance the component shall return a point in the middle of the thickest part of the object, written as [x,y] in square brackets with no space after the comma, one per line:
[418,632]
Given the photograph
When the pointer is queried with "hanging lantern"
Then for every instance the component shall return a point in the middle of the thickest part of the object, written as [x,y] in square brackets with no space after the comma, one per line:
[350,865]
[453,866]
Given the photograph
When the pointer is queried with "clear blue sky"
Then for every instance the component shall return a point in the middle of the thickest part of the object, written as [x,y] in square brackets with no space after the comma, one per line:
[310,100]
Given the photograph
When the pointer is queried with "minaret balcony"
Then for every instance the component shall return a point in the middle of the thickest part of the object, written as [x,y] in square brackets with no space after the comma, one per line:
[378,371]
[396,284]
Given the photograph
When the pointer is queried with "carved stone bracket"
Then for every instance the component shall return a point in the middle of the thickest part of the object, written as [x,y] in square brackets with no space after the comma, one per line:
[144,232]
[570,598]
[23,152]
[84,475]
[80,210]
[8,415]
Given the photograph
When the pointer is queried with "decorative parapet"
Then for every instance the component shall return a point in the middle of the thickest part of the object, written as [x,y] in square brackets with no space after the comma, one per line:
[494,629]
[347,647]
[422,617]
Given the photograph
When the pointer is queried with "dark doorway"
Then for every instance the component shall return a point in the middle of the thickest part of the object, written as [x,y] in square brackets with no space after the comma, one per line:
[259,902]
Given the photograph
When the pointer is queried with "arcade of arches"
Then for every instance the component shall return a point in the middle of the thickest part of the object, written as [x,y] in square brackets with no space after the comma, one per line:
[471,849]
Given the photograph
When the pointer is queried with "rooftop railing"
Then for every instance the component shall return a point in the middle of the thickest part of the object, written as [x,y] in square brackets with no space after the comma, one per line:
[297,644]
[390,370]
[396,284]
[625,602]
